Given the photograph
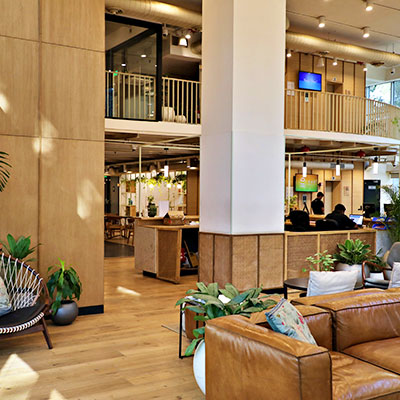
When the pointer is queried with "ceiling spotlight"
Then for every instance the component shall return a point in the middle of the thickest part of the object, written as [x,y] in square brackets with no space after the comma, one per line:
[375,166]
[369,5]
[183,41]
[365,32]
[165,30]
[143,56]
[188,35]
[365,69]
[288,54]
[334,62]
[321,21]
[320,63]
[123,65]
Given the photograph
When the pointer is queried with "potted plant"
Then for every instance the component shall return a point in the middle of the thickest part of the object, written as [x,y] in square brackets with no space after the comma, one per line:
[392,223]
[151,207]
[20,248]
[320,262]
[351,255]
[374,271]
[212,302]
[64,286]
[4,173]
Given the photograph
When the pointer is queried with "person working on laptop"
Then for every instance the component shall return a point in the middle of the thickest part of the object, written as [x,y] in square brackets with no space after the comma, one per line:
[343,220]
[317,204]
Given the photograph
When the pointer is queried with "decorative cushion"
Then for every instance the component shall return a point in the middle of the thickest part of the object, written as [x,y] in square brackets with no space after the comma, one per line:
[5,304]
[286,319]
[327,282]
[395,279]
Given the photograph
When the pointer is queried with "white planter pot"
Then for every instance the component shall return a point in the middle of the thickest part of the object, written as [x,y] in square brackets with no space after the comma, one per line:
[347,267]
[199,366]
[376,275]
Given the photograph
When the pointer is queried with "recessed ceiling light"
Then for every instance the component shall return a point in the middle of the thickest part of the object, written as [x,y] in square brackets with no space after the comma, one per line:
[321,21]
[369,5]
[143,56]
[365,32]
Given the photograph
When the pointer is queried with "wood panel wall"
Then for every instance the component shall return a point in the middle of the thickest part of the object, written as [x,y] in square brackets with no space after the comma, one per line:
[53,128]
[346,77]
[193,192]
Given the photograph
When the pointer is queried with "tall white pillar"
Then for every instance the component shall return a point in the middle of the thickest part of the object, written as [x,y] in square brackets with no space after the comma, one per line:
[242,143]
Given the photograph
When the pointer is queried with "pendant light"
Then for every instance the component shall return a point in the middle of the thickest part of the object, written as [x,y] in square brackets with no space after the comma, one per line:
[337,168]
[365,32]
[369,5]
[166,169]
[321,21]
[304,169]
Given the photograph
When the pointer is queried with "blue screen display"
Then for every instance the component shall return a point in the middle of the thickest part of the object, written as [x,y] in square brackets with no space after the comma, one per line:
[310,81]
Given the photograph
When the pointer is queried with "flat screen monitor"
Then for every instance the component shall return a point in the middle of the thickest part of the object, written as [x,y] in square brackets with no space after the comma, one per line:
[357,219]
[310,81]
[308,183]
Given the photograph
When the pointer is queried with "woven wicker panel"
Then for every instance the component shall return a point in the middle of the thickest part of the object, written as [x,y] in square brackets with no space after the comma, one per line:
[270,261]
[223,259]
[330,242]
[298,248]
[367,237]
[206,258]
[245,261]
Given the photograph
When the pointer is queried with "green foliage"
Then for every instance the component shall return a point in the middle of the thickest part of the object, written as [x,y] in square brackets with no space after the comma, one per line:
[19,248]
[207,302]
[393,223]
[377,259]
[63,284]
[292,201]
[352,252]
[320,262]
[4,172]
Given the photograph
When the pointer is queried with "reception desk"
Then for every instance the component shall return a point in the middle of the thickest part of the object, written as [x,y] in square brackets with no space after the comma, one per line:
[158,246]
[299,245]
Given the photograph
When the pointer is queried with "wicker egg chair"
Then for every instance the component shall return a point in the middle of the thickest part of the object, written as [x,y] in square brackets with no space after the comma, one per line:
[29,300]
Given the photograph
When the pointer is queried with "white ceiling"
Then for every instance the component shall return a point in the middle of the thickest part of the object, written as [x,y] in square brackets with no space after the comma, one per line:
[346,18]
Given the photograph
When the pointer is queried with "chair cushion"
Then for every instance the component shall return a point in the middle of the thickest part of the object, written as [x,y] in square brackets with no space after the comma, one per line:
[377,283]
[5,304]
[355,379]
[286,319]
[21,316]
[327,282]
[395,278]
[394,254]
[382,353]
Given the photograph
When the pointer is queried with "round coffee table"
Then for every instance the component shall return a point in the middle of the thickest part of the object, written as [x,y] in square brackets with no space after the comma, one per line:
[302,284]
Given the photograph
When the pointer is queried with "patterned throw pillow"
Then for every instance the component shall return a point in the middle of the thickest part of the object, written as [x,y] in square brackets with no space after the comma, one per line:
[5,305]
[286,319]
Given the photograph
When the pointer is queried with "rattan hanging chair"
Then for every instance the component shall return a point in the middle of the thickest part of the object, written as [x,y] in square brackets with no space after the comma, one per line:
[29,300]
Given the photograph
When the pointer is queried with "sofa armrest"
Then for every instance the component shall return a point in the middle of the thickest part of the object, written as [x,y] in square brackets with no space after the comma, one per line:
[244,360]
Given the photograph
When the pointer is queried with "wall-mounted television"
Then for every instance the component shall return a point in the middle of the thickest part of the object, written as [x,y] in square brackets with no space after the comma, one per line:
[310,81]
[308,183]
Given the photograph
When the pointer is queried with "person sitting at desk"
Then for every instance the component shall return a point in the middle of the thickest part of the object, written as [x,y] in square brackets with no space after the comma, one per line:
[317,205]
[343,220]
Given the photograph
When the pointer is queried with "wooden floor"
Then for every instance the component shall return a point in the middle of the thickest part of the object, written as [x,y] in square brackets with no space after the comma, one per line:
[124,353]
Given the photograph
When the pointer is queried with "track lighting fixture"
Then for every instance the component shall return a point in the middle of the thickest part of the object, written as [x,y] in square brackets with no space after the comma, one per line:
[365,32]
[188,35]
[334,63]
[369,5]
[288,54]
[321,21]
[365,69]
[320,63]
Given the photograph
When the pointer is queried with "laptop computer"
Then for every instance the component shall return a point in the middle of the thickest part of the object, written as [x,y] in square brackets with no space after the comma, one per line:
[357,219]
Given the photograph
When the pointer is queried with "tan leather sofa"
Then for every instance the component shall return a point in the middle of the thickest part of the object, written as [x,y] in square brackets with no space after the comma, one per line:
[357,357]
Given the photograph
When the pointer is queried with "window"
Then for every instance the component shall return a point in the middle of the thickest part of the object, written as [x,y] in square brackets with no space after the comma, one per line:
[381,92]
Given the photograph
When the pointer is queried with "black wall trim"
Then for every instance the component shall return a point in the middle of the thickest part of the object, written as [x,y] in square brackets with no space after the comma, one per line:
[91,310]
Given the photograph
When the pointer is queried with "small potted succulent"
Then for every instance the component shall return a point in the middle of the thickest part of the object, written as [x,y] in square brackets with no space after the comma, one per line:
[210,302]
[64,286]
[351,256]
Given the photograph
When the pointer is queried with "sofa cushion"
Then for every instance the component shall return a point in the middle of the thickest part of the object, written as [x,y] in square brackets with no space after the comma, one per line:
[286,319]
[355,379]
[310,301]
[364,319]
[328,282]
[382,353]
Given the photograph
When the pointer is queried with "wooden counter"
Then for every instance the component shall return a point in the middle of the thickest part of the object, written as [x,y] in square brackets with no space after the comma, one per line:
[299,245]
[158,247]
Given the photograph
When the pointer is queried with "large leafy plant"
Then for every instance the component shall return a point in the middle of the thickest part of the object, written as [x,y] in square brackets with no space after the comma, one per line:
[19,248]
[320,262]
[352,252]
[212,302]
[63,284]
[4,172]
[393,222]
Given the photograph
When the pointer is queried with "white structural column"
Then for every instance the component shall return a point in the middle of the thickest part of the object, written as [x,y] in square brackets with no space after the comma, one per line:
[242,143]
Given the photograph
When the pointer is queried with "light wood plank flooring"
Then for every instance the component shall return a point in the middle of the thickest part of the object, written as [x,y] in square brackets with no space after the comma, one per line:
[124,353]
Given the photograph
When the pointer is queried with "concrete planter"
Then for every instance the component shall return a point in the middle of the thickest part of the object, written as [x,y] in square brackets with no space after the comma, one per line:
[347,267]
[66,314]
